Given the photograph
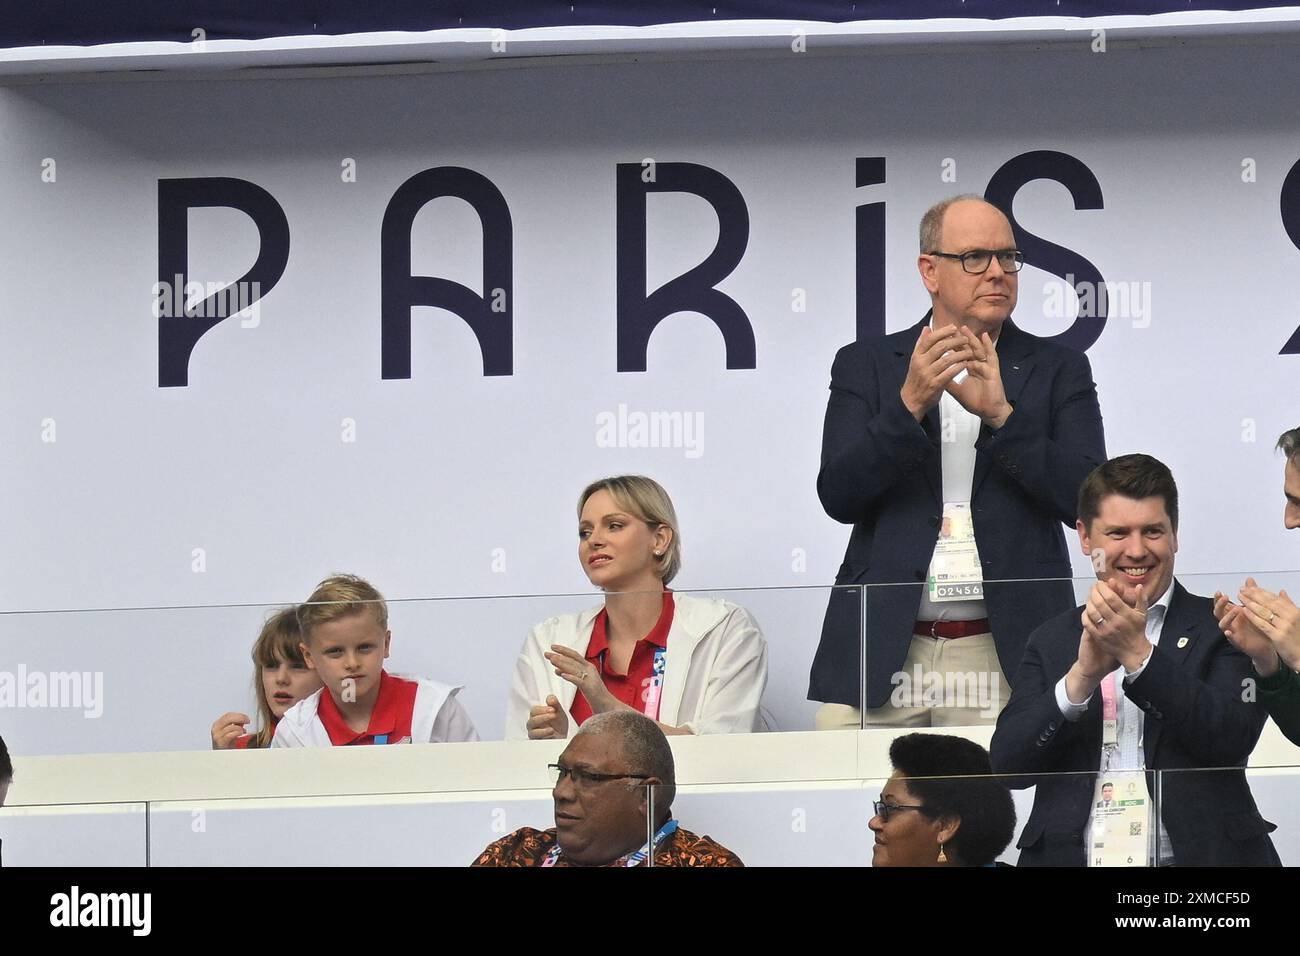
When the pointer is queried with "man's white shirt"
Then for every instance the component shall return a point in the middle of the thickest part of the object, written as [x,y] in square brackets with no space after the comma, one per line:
[1129,754]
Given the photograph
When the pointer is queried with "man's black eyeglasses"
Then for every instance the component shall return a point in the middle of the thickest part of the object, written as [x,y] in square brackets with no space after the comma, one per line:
[583,778]
[977,260]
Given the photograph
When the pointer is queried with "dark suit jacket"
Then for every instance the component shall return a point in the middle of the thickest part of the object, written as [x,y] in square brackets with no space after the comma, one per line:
[1195,717]
[880,471]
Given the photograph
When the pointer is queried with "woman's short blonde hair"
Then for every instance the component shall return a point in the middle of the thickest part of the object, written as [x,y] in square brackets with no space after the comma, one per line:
[644,498]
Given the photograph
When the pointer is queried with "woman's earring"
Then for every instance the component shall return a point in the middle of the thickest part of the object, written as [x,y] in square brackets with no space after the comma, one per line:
[943,857]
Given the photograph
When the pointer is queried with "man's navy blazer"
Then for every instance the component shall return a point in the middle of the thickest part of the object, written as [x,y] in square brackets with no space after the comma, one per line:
[880,471]
[1197,713]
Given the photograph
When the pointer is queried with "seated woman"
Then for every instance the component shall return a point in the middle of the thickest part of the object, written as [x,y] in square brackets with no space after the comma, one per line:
[942,806]
[281,678]
[694,665]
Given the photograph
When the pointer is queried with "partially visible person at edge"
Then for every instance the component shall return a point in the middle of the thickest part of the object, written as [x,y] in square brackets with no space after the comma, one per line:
[1266,626]
[6,772]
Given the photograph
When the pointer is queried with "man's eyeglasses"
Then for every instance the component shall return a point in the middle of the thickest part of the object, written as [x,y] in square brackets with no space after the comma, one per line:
[585,778]
[883,810]
[977,260]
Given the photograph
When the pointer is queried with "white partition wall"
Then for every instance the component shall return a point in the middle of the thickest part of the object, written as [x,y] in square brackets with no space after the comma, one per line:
[72,835]
[780,799]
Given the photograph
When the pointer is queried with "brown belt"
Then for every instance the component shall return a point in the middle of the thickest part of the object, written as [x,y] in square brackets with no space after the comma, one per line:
[951,629]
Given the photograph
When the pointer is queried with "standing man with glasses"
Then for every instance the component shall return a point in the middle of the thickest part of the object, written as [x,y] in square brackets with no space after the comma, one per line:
[963,423]
[614,788]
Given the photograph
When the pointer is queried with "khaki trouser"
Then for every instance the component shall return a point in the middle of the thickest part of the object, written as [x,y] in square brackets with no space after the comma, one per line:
[945,682]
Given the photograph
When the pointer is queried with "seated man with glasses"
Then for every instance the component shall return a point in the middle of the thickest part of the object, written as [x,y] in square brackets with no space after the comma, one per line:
[614,785]
[955,448]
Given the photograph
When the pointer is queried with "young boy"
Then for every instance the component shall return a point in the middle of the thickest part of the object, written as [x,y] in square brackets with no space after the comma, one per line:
[345,640]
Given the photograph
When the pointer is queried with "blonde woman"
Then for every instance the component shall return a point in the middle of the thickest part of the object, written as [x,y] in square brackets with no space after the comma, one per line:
[695,665]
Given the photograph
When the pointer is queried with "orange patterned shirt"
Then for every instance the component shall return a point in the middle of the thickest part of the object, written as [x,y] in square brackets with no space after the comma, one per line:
[528,847]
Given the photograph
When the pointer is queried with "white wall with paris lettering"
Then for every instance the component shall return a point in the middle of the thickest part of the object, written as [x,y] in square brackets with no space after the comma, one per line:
[287,454]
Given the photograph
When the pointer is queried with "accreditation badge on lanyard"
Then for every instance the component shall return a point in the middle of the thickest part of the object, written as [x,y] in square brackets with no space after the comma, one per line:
[955,573]
[631,859]
[1121,808]
[654,685]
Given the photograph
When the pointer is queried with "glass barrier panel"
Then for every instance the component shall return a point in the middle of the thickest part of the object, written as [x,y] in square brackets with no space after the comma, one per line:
[442,829]
[960,669]
[158,679]
[1210,817]
[1229,816]
[84,835]
[839,823]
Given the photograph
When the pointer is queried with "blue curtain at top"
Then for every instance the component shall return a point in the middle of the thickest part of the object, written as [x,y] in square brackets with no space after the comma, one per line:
[63,22]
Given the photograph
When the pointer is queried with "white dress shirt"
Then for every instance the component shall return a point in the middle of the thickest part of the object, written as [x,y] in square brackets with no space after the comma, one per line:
[1128,754]
[957,469]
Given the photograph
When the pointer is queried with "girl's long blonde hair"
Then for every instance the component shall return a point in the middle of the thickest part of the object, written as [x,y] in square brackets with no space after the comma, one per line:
[278,641]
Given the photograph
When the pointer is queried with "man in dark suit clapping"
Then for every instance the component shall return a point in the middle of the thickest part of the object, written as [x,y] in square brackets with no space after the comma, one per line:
[955,448]
[1139,679]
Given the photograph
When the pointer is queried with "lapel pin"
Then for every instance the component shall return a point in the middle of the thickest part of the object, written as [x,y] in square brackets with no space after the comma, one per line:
[1182,641]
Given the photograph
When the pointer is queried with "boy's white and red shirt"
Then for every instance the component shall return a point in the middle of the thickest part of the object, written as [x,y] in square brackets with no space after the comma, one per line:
[407,710]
